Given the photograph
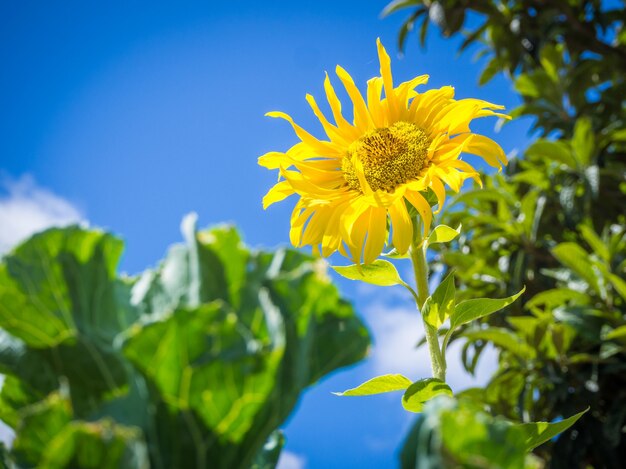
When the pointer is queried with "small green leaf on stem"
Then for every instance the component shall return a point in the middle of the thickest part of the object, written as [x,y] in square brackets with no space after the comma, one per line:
[422,391]
[380,272]
[378,385]
[470,310]
[440,305]
[443,234]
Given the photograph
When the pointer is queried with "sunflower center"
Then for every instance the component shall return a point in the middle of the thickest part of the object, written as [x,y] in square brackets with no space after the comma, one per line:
[390,156]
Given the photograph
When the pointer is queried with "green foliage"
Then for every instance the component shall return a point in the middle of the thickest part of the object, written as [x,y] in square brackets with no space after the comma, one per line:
[459,433]
[553,223]
[195,362]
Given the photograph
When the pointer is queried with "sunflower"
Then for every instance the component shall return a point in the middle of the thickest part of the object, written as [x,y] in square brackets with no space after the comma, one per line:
[356,187]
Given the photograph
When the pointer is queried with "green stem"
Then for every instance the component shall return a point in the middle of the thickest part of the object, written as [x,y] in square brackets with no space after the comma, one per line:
[420,267]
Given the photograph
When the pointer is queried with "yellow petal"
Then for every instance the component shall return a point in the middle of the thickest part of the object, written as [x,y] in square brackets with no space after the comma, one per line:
[324,148]
[376,234]
[385,73]
[335,107]
[423,208]
[362,119]
[401,226]
[279,192]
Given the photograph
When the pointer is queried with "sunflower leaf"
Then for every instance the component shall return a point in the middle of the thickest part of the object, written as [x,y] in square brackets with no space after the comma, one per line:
[440,305]
[443,234]
[470,310]
[379,272]
[422,391]
[378,385]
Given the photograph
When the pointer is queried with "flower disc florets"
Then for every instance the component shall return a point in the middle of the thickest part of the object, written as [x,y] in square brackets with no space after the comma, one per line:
[390,156]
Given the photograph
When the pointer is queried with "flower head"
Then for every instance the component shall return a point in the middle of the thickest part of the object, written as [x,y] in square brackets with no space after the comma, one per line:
[354,186]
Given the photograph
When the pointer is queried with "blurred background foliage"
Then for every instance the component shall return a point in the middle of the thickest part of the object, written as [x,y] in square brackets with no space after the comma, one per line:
[554,222]
[192,364]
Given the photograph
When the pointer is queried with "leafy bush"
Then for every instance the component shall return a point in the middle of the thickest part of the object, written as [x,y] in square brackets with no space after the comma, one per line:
[196,361]
[557,223]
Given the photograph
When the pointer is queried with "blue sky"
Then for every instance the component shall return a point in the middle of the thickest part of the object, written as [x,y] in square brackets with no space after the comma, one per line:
[131,114]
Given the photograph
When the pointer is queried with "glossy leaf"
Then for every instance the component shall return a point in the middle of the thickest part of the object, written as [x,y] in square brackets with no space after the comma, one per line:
[422,391]
[443,234]
[440,305]
[470,310]
[380,272]
[378,385]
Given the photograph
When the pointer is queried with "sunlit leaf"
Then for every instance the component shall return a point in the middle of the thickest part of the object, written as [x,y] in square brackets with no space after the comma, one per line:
[380,272]
[470,310]
[378,385]
[422,391]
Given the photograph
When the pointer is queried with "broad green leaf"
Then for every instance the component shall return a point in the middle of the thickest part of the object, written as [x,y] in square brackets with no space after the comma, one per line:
[598,246]
[558,151]
[504,339]
[618,283]
[526,85]
[101,444]
[378,385]
[537,433]
[38,424]
[574,257]
[470,310]
[443,234]
[379,272]
[440,305]
[617,333]
[422,391]
[217,343]
[583,141]
[557,297]
[62,281]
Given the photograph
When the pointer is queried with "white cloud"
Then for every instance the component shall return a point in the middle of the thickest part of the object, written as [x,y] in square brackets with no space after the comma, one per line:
[289,460]
[26,208]
[396,331]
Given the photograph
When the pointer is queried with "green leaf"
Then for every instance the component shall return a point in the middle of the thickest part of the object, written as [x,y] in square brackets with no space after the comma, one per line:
[618,333]
[618,283]
[598,246]
[396,5]
[490,71]
[556,297]
[440,305]
[470,310]
[101,444]
[378,385]
[379,272]
[537,433]
[558,151]
[443,234]
[584,141]
[504,339]
[423,391]
[574,257]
